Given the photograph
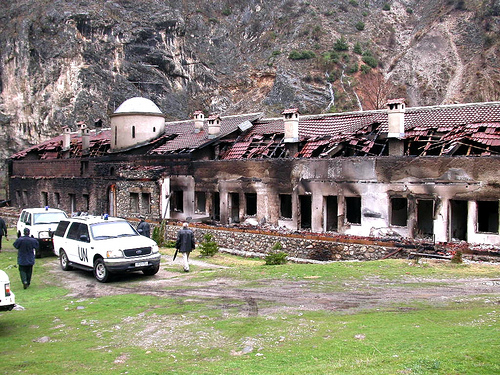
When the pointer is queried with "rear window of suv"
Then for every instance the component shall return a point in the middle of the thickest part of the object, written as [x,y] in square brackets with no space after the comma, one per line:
[61,228]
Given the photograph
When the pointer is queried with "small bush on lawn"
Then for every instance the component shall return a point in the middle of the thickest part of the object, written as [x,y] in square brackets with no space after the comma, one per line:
[208,247]
[276,256]
[457,257]
[159,234]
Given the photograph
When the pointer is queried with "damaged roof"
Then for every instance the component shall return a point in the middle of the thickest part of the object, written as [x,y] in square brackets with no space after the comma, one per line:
[461,129]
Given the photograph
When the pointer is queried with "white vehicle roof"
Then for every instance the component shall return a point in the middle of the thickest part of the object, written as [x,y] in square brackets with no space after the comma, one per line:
[42,209]
[94,219]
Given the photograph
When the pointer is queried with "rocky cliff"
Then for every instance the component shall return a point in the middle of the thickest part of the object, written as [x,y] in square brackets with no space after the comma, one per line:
[66,61]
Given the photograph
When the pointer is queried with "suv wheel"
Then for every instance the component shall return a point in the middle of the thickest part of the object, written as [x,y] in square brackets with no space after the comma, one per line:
[153,270]
[101,273]
[64,261]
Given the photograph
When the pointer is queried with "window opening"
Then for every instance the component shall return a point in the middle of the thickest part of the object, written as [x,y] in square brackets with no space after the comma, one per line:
[146,203]
[458,220]
[487,216]
[45,198]
[399,212]
[353,210]
[331,215]
[425,218]
[200,201]
[251,204]
[216,206]
[286,206]
[177,198]
[305,211]
[72,202]
[234,207]
[134,202]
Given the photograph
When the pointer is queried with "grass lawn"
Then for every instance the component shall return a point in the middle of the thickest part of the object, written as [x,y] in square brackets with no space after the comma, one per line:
[168,333]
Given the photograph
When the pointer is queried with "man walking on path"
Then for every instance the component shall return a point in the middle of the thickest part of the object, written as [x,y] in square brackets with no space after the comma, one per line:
[3,231]
[26,247]
[185,244]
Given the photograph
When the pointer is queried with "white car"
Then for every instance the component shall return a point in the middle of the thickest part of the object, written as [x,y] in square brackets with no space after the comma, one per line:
[105,245]
[41,222]
[7,297]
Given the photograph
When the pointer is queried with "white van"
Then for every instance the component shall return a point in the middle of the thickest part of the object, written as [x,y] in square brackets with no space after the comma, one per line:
[7,297]
[104,245]
[41,222]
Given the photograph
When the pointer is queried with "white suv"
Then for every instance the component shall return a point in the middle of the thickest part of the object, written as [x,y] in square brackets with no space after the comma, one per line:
[41,222]
[105,245]
[7,298]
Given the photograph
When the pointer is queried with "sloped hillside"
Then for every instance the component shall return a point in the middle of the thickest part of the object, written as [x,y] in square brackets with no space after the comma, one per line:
[66,61]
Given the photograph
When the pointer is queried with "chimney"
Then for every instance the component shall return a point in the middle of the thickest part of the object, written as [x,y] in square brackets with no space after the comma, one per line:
[66,143]
[396,126]
[198,121]
[85,137]
[213,126]
[291,121]
[396,118]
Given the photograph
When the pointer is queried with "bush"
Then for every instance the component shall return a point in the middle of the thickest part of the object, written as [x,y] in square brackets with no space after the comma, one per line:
[360,25]
[301,55]
[159,234]
[357,49]
[457,257]
[208,247]
[276,256]
[341,44]
[370,61]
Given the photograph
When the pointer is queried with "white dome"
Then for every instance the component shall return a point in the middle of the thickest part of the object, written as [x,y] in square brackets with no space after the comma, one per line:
[138,105]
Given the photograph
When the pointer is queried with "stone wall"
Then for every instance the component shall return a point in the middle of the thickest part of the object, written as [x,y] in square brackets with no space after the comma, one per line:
[296,246]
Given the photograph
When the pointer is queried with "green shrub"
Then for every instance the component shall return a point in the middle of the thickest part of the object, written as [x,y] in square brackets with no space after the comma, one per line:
[457,257]
[357,49]
[301,55]
[341,44]
[370,61]
[276,256]
[360,25]
[208,247]
[159,234]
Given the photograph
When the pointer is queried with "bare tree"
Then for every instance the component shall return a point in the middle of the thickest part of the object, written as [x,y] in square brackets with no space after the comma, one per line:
[374,89]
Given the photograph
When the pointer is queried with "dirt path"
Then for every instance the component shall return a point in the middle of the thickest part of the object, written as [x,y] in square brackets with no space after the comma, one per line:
[267,297]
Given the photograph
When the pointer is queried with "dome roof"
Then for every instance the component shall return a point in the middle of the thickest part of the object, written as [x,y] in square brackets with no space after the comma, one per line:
[138,105]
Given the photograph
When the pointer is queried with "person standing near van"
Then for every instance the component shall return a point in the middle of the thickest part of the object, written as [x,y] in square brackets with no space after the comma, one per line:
[3,231]
[185,244]
[26,247]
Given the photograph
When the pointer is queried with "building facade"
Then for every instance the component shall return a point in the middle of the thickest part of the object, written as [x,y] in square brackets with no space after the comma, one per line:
[428,173]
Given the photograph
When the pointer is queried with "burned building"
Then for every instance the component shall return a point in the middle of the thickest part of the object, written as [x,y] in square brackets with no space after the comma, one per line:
[417,172]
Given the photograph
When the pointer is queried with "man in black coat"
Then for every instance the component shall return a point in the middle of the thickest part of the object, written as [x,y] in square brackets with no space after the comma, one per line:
[26,247]
[3,231]
[143,227]
[185,244]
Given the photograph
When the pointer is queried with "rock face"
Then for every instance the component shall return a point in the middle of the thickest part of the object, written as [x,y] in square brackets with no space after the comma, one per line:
[67,61]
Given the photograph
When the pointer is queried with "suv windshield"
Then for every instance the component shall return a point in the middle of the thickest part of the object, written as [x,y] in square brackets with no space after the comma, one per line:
[110,229]
[48,217]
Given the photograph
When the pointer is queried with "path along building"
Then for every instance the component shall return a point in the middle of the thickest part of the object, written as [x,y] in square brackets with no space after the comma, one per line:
[420,172]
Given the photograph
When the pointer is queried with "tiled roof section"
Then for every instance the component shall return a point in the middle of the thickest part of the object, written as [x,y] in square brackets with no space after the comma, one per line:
[52,148]
[445,117]
[188,139]
[346,123]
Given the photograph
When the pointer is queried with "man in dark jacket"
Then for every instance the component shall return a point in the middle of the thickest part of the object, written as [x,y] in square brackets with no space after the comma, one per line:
[26,247]
[185,244]
[3,231]
[143,227]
